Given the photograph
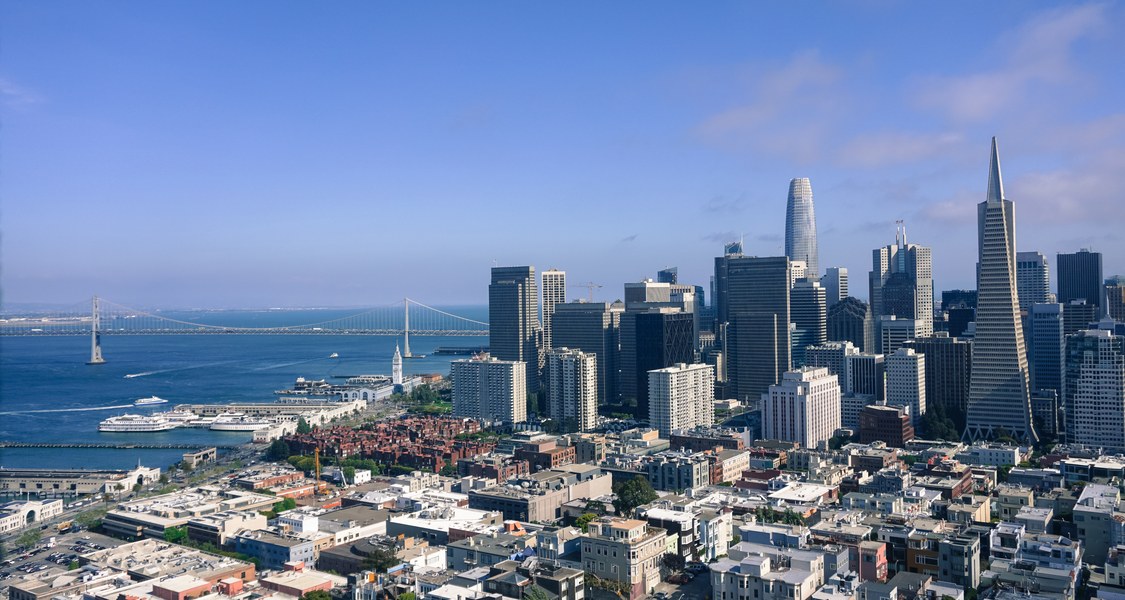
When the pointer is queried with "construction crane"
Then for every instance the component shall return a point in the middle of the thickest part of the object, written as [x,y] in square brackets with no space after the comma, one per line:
[590,287]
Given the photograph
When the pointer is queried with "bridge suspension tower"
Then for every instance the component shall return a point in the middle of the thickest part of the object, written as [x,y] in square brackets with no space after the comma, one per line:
[95,336]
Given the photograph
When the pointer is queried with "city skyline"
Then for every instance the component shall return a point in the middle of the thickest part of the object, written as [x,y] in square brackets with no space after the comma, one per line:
[353,158]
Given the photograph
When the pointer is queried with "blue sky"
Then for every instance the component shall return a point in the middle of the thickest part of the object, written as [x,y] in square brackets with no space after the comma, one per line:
[287,154]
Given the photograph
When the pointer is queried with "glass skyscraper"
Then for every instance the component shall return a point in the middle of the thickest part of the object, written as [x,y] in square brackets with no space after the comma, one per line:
[800,226]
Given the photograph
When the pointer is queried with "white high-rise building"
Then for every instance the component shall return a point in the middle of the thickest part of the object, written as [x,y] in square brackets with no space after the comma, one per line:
[800,226]
[1095,388]
[554,292]
[1033,279]
[681,397]
[901,284]
[906,382]
[489,389]
[834,356]
[572,388]
[894,331]
[396,367]
[803,408]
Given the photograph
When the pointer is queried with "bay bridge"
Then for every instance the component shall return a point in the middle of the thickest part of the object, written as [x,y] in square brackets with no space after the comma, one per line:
[100,317]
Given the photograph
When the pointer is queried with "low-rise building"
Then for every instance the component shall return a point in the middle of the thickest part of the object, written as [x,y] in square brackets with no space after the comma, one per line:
[765,573]
[219,528]
[20,513]
[150,517]
[487,550]
[154,559]
[511,579]
[627,551]
[959,561]
[274,549]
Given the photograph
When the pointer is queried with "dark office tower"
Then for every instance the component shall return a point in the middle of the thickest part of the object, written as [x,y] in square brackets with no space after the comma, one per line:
[1080,278]
[1078,315]
[867,374]
[758,312]
[949,367]
[513,319]
[800,226]
[1033,279]
[592,327]
[652,339]
[958,299]
[1047,348]
[901,284]
[835,283]
[809,314]
[1115,298]
[999,395]
[719,282]
[1045,411]
[849,320]
[669,275]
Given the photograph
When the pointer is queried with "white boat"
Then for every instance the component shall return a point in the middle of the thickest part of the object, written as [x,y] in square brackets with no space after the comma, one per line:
[239,422]
[182,418]
[150,400]
[334,355]
[136,423]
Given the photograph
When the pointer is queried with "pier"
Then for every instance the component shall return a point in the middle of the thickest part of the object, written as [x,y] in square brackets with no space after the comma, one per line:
[120,446]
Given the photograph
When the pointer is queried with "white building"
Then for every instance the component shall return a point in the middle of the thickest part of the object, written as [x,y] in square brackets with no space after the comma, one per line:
[1096,387]
[906,382]
[572,387]
[681,397]
[19,514]
[554,292]
[763,572]
[803,408]
[489,389]
[893,331]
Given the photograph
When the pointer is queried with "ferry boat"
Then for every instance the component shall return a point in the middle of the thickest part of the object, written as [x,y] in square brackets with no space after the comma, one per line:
[136,423]
[150,400]
[238,422]
[334,355]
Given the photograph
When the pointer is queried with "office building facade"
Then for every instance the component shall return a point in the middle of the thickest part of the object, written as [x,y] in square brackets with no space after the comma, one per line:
[759,346]
[513,319]
[652,339]
[1033,279]
[803,408]
[800,226]
[594,328]
[949,368]
[572,389]
[906,382]
[1048,347]
[901,284]
[1080,278]
[1095,389]
[850,320]
[489,389]
[835,284]
[554,293]
[999,395]
[808,310]
[681,397]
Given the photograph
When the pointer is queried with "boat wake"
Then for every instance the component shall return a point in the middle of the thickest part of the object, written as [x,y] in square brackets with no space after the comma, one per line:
[61,410]
[159,371]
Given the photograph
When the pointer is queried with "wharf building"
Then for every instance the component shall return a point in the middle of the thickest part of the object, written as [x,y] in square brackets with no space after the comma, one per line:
[60,483]
[681,397]
[19,514]
[1080,278]
[901,285]
[572,389]
[803,408]
[593,328]
[800,226]
[999,394]
[756,306]
[850,320]
[949,365]
[653,338]
[513,321]
[489,389]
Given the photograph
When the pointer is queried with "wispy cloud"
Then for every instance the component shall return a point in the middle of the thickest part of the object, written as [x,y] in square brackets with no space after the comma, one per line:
[720,237]
[895,147]
[788,109]
[725,205]
[13,94]
[1037,53]
[629,238]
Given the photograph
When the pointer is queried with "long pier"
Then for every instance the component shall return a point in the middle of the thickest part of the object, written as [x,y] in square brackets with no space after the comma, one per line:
[123,446]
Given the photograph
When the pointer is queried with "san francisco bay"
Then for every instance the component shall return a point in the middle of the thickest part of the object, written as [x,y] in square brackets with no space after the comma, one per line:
[49,395]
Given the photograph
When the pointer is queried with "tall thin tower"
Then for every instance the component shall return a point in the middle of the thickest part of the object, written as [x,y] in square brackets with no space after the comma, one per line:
[513,319]
[998,392]
[554,292]
[800,226]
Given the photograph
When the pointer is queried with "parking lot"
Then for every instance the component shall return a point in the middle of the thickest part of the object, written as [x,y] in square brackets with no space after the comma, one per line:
[699,588]
[66,549]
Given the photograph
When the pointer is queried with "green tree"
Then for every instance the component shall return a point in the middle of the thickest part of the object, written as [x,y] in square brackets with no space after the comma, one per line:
[449,470]
[407,596]
[284,505]
[303,426]
[584,520]
[631,494]
[595,506]
[381,559]
[72,565]
[29,538]
[349,474]
[317,595]
[278,450]
[163,478]
[175,535]
[534,592]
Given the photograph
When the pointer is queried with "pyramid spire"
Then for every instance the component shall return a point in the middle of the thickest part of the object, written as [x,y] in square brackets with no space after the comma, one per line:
[995,184]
